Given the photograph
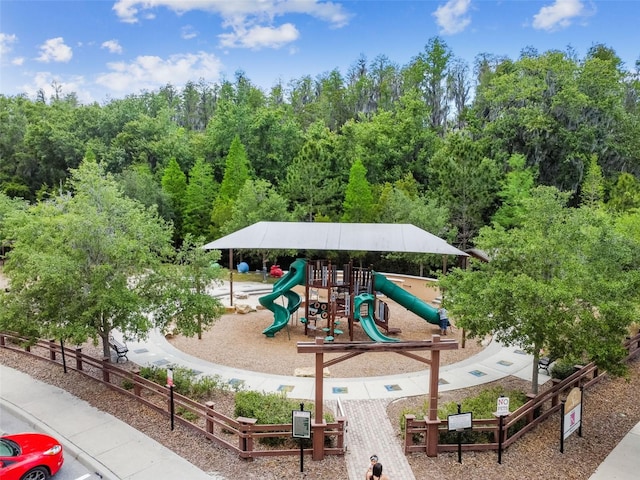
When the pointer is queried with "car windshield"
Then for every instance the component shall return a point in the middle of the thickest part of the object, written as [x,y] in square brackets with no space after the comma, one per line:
[8,448]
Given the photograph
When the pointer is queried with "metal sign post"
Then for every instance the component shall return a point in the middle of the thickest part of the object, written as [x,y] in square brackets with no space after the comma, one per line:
[502,410]
[171,402]
[458,423]
[301,422]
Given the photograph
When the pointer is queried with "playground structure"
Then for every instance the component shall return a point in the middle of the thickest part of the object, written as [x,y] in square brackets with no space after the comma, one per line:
[334,296]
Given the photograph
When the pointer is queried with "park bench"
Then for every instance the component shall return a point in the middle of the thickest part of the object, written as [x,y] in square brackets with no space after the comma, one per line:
[120,348]
[544,363]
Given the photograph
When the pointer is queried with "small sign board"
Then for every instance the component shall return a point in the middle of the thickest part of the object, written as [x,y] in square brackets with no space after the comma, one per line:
[301,420]
[169,377]
[460,421]
[572,412]
[502,407]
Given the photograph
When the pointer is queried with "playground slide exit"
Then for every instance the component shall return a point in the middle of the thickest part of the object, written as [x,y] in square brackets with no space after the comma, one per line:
[367,322]
[295,276]
[404,298]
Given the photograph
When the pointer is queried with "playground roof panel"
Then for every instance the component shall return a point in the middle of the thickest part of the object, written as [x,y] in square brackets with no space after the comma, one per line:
[374,237]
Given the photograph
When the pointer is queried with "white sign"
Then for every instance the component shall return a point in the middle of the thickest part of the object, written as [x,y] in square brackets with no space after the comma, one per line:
[460,421]
[572,412]
[502,407]
[169,377]
[301,420]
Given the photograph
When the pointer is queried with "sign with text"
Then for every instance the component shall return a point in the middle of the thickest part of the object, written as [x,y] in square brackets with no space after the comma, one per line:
[572,412]
[502,407]
[461,421]
[301,420]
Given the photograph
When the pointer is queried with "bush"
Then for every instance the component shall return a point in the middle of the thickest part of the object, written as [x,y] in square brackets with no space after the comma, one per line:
[186,381]
[563,368]
[482,405]
[270,409]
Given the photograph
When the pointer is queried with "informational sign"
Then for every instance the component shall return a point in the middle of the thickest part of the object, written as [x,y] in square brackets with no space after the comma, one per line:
[169,377]
[502,407]
[461,421]
[301,420]
[572,412]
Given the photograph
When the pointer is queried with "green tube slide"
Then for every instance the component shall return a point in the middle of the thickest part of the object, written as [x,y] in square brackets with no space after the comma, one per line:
[404,298]
[367,322]
[295,276]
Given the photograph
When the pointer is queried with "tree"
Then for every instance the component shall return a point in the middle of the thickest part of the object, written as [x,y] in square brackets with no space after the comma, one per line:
[563,282]
[189,305]
[174,184]
[516,188]
[198,199]
[258,201]
[82,263]
[465,182]
[358,200]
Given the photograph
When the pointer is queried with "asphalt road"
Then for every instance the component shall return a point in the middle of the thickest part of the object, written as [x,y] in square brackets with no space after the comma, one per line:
[71,469]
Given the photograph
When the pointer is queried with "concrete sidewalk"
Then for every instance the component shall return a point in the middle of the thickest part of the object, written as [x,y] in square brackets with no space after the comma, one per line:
[101,442]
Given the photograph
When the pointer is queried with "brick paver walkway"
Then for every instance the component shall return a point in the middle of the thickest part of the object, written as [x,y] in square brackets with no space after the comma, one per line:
[369,431]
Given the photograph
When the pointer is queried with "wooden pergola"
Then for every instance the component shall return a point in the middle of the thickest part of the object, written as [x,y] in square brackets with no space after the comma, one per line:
[353,349]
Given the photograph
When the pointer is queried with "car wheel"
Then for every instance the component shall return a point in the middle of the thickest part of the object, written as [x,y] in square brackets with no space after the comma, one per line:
[38,473]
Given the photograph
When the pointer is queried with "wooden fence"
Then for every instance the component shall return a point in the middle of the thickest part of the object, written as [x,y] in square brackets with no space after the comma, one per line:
[241,435]
[536,410]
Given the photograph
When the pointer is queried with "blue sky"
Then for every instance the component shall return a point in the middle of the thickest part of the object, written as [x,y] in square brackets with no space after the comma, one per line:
[104,49]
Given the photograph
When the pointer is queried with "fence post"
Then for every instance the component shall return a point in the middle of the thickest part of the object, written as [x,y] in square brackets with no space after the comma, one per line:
[556,395]
[408,426]
[208,416]
[105,369]
[245,437]
[532,413]
[2,341]
[137,388]
[79,359]
[52,349]
[341,424]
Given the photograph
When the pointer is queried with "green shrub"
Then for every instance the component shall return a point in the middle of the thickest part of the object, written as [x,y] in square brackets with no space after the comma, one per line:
[481,406]
[186,381]
[563,368]
[186,414]
[127,384]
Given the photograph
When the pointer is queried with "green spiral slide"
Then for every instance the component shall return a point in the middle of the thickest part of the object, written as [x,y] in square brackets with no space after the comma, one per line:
[398,295]
[295,276]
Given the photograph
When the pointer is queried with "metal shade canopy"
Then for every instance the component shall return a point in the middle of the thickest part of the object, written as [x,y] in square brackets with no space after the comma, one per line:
[374,237]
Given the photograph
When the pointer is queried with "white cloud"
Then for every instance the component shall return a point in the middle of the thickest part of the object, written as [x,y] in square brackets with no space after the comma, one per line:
[55,50]
[559,15]
[251,21]
[6,42]
[188,32]
[151,72]
[18,61]
[112,45]
[258,37]
[452,17]
[70,84]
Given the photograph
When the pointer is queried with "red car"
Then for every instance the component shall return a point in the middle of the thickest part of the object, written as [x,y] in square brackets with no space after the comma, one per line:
[29,456]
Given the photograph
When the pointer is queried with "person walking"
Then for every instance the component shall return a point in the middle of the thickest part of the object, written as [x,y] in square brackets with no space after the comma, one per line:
[376,473]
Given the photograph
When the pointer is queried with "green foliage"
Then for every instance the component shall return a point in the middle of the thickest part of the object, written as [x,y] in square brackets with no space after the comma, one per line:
[358,201]
[565,281]
[73,259]
[184,303]
[563,368]
[482,406]
[198,199]
[186,382]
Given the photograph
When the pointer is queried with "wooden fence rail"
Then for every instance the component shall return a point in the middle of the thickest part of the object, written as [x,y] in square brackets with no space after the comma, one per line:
[241,435]
[535,411]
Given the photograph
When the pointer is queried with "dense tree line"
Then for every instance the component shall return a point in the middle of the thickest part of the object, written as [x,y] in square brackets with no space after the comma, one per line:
[104,206]
[414,131]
